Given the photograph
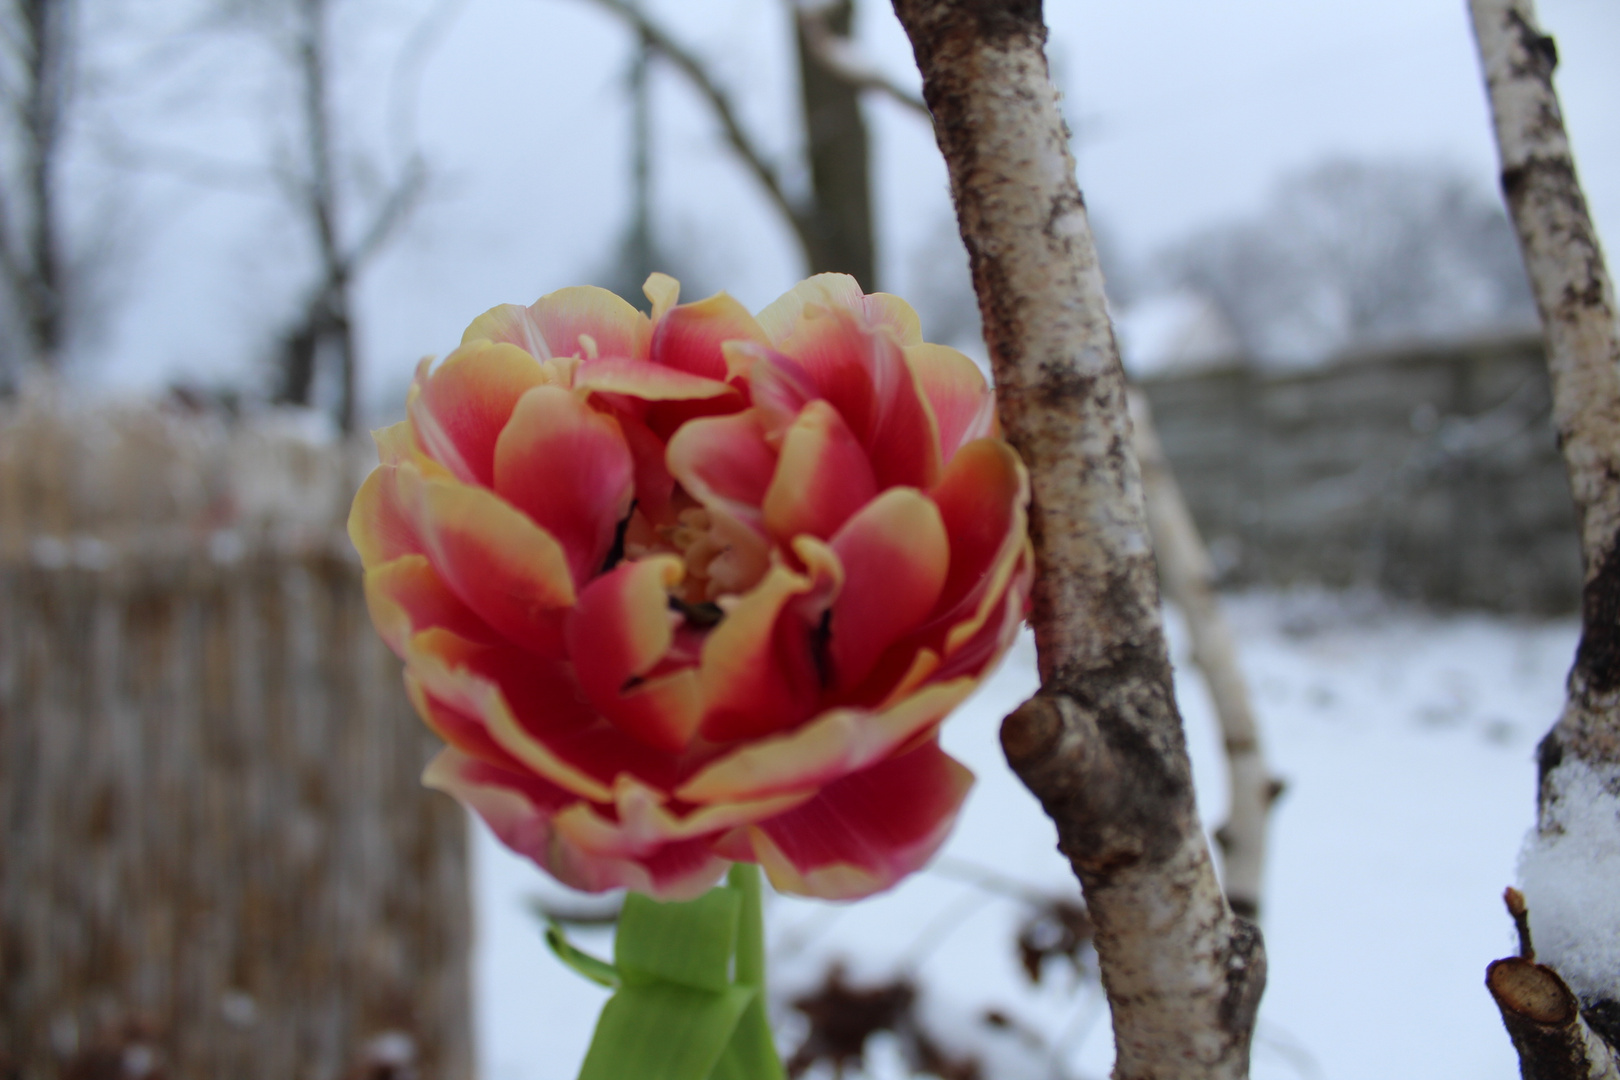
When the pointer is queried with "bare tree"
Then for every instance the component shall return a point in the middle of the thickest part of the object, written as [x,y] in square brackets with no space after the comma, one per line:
[37,38]
[832,222]
[347,228]
[1355,253]
[1564,1014]
[1101,743]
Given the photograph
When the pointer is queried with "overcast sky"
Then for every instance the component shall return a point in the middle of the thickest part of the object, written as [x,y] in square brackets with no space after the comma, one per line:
[1187,113]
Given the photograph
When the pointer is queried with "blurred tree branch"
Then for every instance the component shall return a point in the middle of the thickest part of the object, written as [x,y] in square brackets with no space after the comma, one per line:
[35,89]
[1189,581]
[833,225]
[348,227]
[839,56]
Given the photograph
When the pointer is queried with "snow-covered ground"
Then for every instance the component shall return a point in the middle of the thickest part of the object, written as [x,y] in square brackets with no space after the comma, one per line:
[1406,741]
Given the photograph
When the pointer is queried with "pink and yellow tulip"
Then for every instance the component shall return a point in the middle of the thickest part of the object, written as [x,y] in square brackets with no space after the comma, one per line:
[698,587]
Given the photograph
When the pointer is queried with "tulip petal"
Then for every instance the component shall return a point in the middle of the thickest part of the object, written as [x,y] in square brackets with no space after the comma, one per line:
[865,377]
[777,385]
[568,316]
[822,477]
[502,565]
[977,644]
[535,710]
[663,291]
[834,744]
[405,596]
[982,499]
[465,732]
[654,484]
[567,466]
[522,811]
[724,463]
[619,631]
[785,317]
[462,692]
[690,337]
[395,443]
[508,323]
[868,830]
[648,382]
[759,669]
[894,553]
[643,819]
[895,315]
[381,524]
[963,404]
[457,412]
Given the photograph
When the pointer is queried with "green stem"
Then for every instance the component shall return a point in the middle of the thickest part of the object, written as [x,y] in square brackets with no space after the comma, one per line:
[744,877]
[754,1050]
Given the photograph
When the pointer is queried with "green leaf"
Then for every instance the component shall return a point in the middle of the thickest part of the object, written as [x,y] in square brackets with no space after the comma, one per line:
[691,999]
[663,1031]
[688,944]
[598,971]
[751,1053]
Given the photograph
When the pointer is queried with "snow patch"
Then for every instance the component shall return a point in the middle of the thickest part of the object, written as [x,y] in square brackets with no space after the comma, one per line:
[1569,873]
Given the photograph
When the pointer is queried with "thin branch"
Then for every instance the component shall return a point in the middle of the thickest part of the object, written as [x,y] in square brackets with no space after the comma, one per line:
[841,57]
[1101,744]
[1189,579]
[698,73]
[1514,899]
[388,216]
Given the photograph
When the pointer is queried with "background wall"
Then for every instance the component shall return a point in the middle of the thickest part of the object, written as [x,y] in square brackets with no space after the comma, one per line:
[1432,474]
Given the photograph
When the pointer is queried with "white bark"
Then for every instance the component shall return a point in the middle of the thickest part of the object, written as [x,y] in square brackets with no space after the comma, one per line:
[1576,301]
[1189,579]
[1101,744]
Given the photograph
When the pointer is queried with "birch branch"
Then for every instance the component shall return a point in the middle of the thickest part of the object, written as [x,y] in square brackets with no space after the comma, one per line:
[1189,579]
[1579,759]
[1101,743]
[1576,301]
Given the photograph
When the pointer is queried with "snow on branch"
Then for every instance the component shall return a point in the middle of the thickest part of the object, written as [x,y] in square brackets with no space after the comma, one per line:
[1101,744]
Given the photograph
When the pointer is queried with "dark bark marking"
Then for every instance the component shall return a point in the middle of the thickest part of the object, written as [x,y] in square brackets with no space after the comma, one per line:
[1549,755]
[1603,1016]
[1598,656]
[1540,50]
[1246,980]
[992,22]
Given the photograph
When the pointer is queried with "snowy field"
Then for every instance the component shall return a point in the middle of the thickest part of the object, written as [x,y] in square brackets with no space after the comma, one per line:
[1406,742]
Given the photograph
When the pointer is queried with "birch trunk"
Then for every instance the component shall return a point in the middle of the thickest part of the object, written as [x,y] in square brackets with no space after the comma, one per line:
[1101,744]
[1579,759]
